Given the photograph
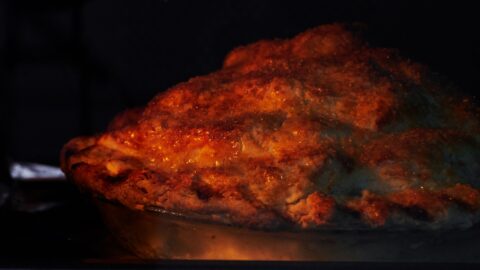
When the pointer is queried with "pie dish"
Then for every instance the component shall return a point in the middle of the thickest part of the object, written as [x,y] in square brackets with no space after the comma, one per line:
[321,130]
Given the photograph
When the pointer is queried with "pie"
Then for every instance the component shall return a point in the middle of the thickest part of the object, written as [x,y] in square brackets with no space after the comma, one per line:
[321,130]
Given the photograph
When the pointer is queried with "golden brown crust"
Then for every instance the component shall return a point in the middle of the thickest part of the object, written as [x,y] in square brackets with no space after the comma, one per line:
[293,132]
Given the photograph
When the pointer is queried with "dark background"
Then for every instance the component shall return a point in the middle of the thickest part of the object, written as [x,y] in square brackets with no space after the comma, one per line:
[68,66]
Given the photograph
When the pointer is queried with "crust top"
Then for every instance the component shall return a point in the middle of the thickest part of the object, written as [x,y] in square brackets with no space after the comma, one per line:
[313,131]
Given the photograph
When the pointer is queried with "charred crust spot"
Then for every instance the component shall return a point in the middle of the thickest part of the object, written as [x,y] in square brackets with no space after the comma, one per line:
[347,162]
[203,191]
[117,178]
[418,213]
[78,165]
[69,152]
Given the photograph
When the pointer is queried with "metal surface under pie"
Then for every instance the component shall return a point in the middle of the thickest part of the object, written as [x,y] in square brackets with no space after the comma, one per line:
[158,234]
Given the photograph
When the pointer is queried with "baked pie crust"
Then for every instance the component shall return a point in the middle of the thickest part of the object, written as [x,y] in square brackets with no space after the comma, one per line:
[318,130]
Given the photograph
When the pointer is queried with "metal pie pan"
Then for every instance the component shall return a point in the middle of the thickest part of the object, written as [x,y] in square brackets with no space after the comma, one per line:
[159,234]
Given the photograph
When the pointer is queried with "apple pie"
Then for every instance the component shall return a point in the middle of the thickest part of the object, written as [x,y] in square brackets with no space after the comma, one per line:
[315,131]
